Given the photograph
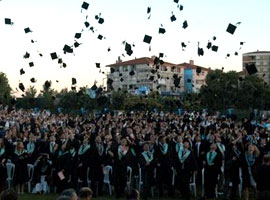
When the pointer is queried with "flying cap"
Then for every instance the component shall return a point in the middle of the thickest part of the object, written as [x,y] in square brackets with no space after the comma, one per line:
[185,24]
[33,80]
[251,69]
[8,21]
[31,64]
[147,39]
[215,48]
[231,29]
[54,56]
[22,71]
[85,5]
[78,35]
[74,81]
[26,55]
[161,30]
[21,86]
[173,18]
[67,49]
[27,30]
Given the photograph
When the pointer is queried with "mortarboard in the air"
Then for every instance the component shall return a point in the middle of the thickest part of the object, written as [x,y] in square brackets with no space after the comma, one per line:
[86,24]
[67,49]
[151,78]
[60,61]
[231,29]
[33,80]
[185,25]
[173,18]
[176,81]
[242,43]
[74,81]
[120,74]
[47,84]
[153,71]
[175,1]
[161,30]
[121,79]
[181,7]
[209,45]
[215,48]
[8,21]
[128,49]
[132,73]
[21,86]
[97,65]
[236,53]
[100,20]
[183,45]
[54,56]
[76,44]
[100,37]
[198,70]
[148,10]
[251,69]
[214,38]
[78,35]
[147,39]
[64,65]
[31,64]
[85,5]
[200,51]
[22,71]
[26,55]
[112,70]
[161,55]
[27,30]
[73,88]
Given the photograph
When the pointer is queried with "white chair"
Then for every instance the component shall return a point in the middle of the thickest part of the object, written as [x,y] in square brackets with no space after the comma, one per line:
[88,179]
[129,178]
[173,176]
[192,185]
[107,171]
[30,169]
[10,173]
[140,180]
[240,183]
[202,193]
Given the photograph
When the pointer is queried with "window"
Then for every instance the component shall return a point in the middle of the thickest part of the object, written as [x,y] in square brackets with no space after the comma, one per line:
[199,82]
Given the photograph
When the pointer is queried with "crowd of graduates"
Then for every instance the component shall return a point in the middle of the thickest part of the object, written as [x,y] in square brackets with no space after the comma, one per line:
[163,150]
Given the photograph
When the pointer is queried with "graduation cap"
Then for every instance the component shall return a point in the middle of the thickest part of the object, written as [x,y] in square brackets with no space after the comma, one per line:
[161,55]
[47,84]
[22,71]
[78,35]
[8,21]
[26,55]
[21,86]
[76,44]
[148,10]
[31,64]
[185,24]
[121,79]
[198,70]
[200,51]
[151,78]
[27,30]
[85,5]
[231,28]
[86,24]
[54,56]
[147,39]
[183,45]
[209,45]
[100,20]
[228,55]
[242,43]
[132,73]
[112,70]
[67,49]
[100,37]
[64,65]
[73,88]
[215,48]
[161,30]
[74,81]
[97,65]
[33,80]
[181,7]
[214,38]
[175,1]
[236,53]
[60,61]
[251,69]
[173,18]
[128,49]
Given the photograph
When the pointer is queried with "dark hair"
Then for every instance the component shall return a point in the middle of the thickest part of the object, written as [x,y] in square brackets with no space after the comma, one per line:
[69,192]
[85,192]
[62,197]
[9,194]
[266,159]
[133,195]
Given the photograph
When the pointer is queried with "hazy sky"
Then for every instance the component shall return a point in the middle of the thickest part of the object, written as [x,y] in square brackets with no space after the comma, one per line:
[55,22]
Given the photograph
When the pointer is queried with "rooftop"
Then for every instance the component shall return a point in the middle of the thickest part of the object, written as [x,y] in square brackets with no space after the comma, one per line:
[192,66]
[257,52]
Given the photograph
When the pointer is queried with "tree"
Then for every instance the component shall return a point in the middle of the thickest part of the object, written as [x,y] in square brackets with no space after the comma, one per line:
[31,92]
[5,89]
[47,96]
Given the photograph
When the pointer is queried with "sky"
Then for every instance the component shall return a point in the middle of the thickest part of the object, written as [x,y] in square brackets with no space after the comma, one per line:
[55,22]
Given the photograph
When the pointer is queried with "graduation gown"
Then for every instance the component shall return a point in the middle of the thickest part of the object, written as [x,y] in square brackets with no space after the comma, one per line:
[3,170]
[21,171]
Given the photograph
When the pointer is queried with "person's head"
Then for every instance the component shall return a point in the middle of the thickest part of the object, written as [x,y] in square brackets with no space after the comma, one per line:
[251,148]
[186,144]
[146,147]
[266,159]
[1,143]
[85,193]
[71,193]
[9,194]
[98,139]
[213,147]
[124,142]
[19,146]
[133,195]
[63,198]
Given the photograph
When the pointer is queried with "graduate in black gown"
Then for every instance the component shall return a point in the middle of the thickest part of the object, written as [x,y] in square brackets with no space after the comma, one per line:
[20,158]
[185,165]
[212,169]
[3,170]
[147,165]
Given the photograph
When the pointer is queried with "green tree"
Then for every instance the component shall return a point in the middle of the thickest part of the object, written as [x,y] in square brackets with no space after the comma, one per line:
[5,89]
[47,96]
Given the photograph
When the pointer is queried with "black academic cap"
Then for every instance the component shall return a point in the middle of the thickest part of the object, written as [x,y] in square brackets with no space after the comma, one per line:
[175,1]
[86,24]
[181,7]
[153,71]
[78,35]
[198,70]
[161,30]
[85,5]
[67,49]
[47,84]
[200,51]
[132,73]
[54,56]
[74,81]
[112,70]
[147,39]
[31,64]
[215,48]
[100,20]
[76,44]
[8,21]
[209,45]
[228,55]
[161,55]
[121,79]
[173,18]
[241,43]
[183,45]
[60,61]
[120,74]
[236,53]
[64,65]
[231,29]
[96,17]
[97,65]
[26,55]
[148,10]
[22,71]
[33,80]
[73,88]
[27,30]
[185,24]
[251,69]
[176,82]
[100,37]
[151,78]
[214,38]
[21,86]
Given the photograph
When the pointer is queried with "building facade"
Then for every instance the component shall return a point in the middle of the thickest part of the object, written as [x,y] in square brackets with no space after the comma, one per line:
[262,61]
[141,76]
